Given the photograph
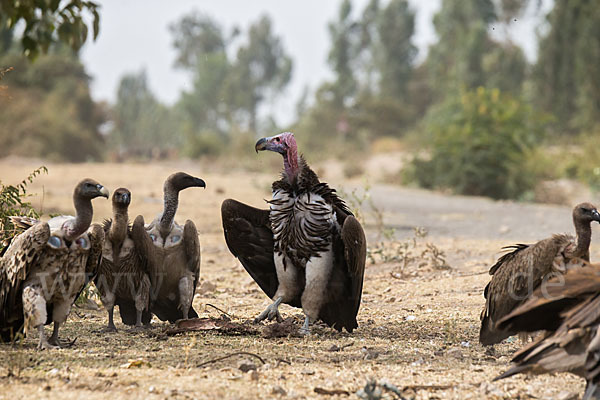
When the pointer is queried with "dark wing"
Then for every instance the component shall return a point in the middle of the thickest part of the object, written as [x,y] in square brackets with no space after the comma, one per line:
[515,276]
[345,284]
[249,238]
[141,257]
[96,235]
[25,251]
[192,253]
[20,225]
[570,306]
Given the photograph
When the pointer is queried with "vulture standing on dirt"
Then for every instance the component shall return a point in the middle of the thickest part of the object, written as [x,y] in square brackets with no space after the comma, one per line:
[568,308]
[175,269]
[122,277]
[516,274]
[46,267]
[307,250]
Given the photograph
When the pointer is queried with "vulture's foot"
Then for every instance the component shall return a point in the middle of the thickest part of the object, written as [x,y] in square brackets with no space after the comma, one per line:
[305,329]
[61,344]
[44,344]
[271,312]
[108,329]
[137,328]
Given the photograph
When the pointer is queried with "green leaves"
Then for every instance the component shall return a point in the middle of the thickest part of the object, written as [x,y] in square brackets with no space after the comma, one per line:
[48,22]
[481,142]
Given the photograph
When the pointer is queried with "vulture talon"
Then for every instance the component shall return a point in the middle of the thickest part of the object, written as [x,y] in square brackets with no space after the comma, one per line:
[305,329]
[271,312]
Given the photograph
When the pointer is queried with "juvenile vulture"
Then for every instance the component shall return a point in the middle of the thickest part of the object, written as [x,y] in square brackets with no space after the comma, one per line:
[47,266]
[122,277]
[518,273]
[307,250]
[176,251]
[568,309]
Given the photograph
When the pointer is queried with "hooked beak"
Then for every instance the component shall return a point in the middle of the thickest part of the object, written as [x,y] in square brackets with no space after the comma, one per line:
[199,183]
[103,191]
[596,215]
[261,144]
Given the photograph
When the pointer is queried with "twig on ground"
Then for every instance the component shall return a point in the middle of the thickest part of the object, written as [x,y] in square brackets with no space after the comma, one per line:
[472,274]
[218,309]
[231,355]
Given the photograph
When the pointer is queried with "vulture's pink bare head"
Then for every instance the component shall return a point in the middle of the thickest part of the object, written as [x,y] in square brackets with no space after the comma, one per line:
[284,144]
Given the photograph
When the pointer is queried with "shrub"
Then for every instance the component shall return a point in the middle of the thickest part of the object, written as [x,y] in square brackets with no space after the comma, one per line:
[481,141]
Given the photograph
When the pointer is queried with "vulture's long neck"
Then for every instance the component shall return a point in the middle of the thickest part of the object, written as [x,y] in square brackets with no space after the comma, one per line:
[118,230]
[291,165]
[584,237]
[171,202]
[83,217]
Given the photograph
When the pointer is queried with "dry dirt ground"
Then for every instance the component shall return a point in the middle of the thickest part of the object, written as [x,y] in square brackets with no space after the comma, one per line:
[418,322]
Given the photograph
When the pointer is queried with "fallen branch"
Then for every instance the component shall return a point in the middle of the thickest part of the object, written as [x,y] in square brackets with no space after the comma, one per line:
[218,309]
[231,355]
[331,392]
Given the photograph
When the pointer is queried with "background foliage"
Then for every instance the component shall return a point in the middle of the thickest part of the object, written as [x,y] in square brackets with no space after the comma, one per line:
[381,89]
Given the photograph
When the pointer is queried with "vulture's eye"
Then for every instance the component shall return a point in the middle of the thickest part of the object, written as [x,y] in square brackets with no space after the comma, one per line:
[55,242]
[153,237]
[83,243]
[277,139]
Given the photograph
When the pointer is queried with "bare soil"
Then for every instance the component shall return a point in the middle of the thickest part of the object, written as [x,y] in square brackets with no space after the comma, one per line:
[418,322]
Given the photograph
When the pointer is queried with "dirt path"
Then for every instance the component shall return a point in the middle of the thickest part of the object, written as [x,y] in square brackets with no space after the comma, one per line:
[418,323]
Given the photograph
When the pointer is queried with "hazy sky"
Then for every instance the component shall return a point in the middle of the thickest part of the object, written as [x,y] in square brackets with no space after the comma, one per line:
[134,34]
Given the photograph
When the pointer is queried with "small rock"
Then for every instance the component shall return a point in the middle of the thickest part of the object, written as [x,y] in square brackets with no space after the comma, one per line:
[247,366]
[455,353]
[48,388]
[391,300]
[410,318]
[254,375]
[369,354]
[465,344]
[53,372]
[308,372]
[565,395]
[278,390]
[489,389]
[151,389]
[207,287]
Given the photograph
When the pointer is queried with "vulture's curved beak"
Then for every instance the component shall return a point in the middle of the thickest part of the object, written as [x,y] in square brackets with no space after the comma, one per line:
[261,144]
[596,215]
[199,183]
[103,191]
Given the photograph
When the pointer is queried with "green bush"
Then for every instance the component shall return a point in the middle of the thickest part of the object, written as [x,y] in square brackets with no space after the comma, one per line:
[481,141]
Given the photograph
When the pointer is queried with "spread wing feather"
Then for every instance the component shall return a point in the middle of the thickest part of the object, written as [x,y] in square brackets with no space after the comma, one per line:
[249,238]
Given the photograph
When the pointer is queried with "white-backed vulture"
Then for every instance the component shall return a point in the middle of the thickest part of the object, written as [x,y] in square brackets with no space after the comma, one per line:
[307,250]
[175,269]
[45,268]
[123,274]
[568,309]
[517,274]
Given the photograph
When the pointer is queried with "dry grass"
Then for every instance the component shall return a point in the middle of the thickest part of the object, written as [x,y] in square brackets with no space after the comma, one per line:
[416,331]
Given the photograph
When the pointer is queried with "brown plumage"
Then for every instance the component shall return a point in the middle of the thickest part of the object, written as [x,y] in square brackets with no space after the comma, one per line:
[123,274]
[46,267]
[568,309]
[518,273]
[175,271]
[307,250]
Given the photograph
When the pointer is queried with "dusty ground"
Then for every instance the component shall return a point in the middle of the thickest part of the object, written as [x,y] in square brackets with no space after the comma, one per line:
[418,322]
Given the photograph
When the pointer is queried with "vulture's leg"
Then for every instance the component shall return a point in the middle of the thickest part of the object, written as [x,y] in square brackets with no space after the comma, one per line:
[288,288]
[109,303]
[34,309]
[318,271]
[141,300]
[59,315]
[186,295]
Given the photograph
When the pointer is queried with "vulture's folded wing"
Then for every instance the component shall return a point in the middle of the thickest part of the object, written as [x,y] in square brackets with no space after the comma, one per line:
[355,254]
[96,235]
[143,245]
[24,252]
[249,237]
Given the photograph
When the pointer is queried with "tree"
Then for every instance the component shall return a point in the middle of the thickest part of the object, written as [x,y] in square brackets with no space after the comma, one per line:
[566,75]
[261,70]
[50,21]
[48,111]
[142,126]
[395,26]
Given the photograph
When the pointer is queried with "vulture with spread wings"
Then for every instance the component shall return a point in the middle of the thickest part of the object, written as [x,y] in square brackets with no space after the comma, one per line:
[307,250]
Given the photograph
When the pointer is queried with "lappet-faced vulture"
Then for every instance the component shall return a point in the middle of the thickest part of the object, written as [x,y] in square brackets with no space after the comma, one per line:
[123,274]
[567,307]
[175,269]
[517,274]
[307,250]
[46,267]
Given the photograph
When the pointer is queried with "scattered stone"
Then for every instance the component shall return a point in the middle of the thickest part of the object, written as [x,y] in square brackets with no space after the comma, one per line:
[410,318]
[278,390]
[308,372]
[152,389]
[247,366]
[369,354]
[207,287]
